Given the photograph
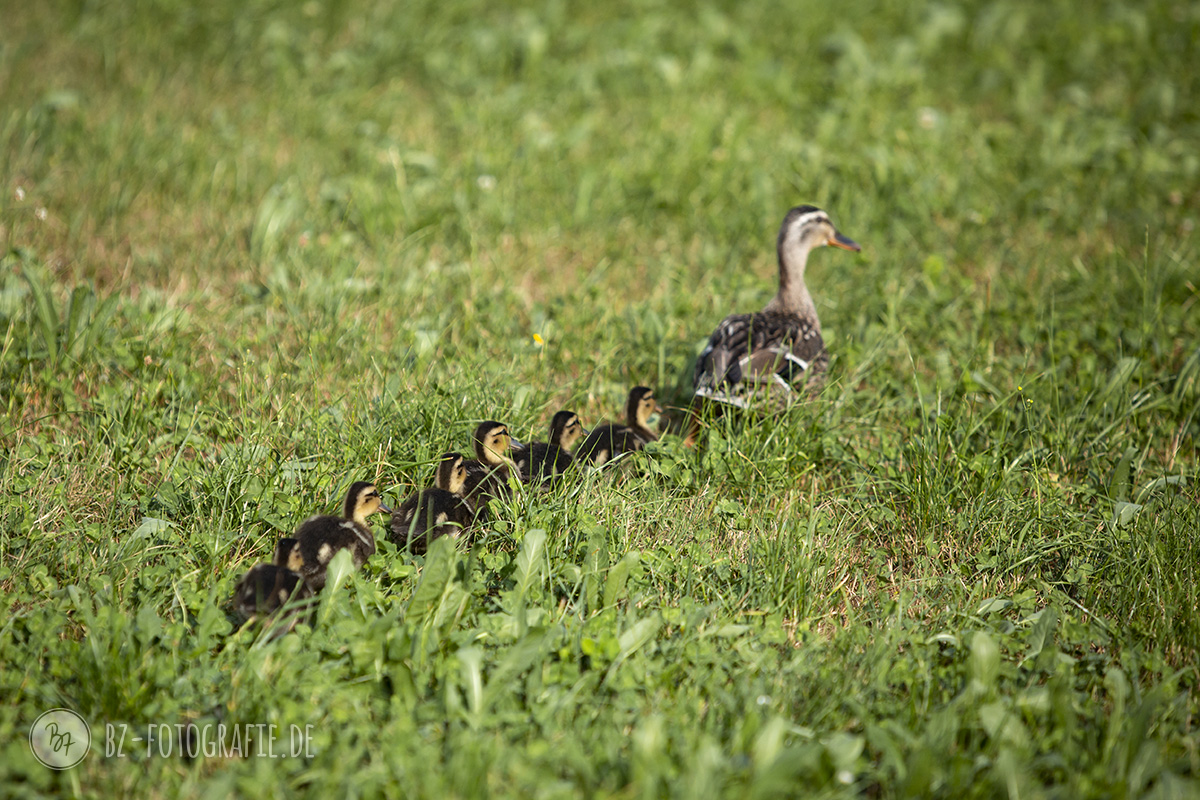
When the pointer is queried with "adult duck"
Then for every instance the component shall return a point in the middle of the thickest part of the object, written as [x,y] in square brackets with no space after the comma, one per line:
[778,352]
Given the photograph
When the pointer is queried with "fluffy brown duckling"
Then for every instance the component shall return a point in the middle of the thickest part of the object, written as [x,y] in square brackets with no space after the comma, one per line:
[319,538]
[431,513]
[541,462]
[487,475]
[776,353]
[609,440]
[265,588]
[283,550]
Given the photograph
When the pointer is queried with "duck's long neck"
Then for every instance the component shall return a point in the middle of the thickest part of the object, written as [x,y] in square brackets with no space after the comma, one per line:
[793,296]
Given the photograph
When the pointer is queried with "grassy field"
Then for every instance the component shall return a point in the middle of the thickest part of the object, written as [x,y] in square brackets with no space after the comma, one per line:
[251,252]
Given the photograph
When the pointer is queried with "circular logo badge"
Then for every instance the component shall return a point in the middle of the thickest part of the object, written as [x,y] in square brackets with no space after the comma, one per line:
[60,738]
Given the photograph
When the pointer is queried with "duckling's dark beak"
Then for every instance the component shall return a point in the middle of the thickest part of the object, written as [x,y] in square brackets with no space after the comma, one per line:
[844,242]
[514,443]
[384,509]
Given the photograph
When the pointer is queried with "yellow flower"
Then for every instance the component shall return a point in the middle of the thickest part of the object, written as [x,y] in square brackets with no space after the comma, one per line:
[538,340]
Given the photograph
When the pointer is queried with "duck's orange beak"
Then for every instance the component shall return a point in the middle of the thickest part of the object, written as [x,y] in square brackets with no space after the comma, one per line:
[844,242]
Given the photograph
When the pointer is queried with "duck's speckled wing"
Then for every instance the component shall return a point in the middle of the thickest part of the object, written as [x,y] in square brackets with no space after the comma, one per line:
[773,353]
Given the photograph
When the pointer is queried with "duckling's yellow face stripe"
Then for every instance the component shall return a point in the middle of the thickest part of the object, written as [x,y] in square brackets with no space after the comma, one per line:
[370,501]
[647,407]
[498,442]
[571,433]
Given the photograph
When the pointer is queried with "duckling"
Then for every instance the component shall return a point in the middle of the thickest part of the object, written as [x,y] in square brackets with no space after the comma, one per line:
[283,549]
[487,477]
[431,513]
[779,350]
[319,538]
[541,462]
[611,439]
[265,588]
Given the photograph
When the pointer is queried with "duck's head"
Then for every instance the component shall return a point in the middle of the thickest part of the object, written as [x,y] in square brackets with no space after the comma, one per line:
[451,473]
[640,406]
[283,551]
[256,589]
[806,227]
[363,500]
[492,443]
[566,429]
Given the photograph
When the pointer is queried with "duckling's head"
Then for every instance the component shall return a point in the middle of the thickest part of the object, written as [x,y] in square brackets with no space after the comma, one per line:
[451,473]
[566,429]
[492,442]
[640,406]
[363,500]
[806,227]
[256,589]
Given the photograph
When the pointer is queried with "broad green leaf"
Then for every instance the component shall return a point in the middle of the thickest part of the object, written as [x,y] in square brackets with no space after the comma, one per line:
[984,660]
[529,560]
[435,577]
[340,567]
[614,584]
[1042,632]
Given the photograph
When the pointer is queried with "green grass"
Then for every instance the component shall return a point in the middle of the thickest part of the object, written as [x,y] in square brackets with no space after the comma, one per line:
[252,252]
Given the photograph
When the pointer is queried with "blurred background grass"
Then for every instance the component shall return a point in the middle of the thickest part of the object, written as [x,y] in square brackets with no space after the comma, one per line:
[255,251]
